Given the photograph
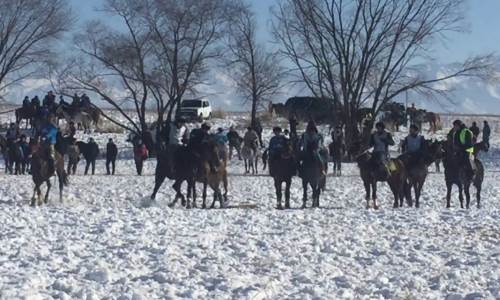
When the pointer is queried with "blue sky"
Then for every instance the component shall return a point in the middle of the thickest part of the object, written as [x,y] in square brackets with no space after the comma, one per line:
[483,26]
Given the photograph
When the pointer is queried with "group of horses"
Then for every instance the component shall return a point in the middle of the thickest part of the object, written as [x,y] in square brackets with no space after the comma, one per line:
[84,117]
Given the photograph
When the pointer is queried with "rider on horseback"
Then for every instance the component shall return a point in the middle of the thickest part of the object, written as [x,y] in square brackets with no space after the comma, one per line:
[251,138]
[276,144]
[462,139]
[49,133]
[413,146]
[197,138]
[234,142]
[26,103]
[312,138]
[177,138]
[380,140]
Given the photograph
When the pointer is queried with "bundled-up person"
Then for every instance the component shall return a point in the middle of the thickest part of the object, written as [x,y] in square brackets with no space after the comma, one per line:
[197,138]
[12,134]
[90,154]
[178,135]
[49,133]
[475,132]
[486,133]
[276,145]
[380,140]
[140,155]
[463,146]
[413,147]
[26,102]
[222,141]
[111,154]
[25,153]
[234,140]
[312,138]
[251,139]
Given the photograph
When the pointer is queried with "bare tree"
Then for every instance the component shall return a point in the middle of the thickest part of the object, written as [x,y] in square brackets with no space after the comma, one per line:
[256,71]
[160,53]
[187,36]
[368,52]
[28,30]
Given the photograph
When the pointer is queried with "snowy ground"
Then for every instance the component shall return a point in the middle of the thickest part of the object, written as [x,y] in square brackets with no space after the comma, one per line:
[101,244]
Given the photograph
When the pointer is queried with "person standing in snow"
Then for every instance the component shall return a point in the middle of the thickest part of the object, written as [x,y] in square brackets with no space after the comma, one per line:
[111,153]
[486,133]
[234,140]
[475,132]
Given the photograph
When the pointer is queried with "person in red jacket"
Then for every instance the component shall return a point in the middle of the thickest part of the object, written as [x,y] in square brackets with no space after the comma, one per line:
[140,155]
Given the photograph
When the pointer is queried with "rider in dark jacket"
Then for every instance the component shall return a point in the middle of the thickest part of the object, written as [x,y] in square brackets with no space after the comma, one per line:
[475,132]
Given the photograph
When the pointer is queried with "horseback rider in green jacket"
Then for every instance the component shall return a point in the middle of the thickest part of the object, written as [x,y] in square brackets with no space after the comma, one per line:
[463,147]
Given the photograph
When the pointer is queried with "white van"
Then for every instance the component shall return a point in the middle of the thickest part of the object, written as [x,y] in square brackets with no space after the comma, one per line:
[196,109]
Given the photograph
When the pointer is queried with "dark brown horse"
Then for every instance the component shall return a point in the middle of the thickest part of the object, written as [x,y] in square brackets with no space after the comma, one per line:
[456,174]
[27,113]
[40,173]
[282,168]
[417,169]
[186,167]
[368,170]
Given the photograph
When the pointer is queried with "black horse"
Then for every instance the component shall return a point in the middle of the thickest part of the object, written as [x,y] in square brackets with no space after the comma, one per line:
[455,173]
[313,173]
[282,168]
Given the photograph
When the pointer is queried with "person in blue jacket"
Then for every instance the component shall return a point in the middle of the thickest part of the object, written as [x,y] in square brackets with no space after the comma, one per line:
[49,134]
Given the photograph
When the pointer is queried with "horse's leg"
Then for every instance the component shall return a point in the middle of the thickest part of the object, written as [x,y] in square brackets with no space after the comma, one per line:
[190,187]
[395,191]
[87,166]
[33,199]
[367,185]
[418,192]
[317,193]
[461,195]
[159,178]
[256,165]
[288,183]
[60,177]
[48,190]
[93,166]
[304,196]
[277,187]
[225,184]
[204,204]
[217,196]
[448,194]
[467,195]
[478,194]
[374,194]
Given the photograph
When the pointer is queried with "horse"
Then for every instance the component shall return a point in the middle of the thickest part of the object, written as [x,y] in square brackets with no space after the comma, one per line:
[90,152]
[210,154]
[250,157]
[40,173]
[282,168]
[3,148]
[370,176]
[186,167]
[25,113]
[455,174]
[313,173]
[80,117]
[417,174]
[434,121]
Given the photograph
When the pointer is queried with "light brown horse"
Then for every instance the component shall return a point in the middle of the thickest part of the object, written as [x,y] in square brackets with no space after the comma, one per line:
[40,173]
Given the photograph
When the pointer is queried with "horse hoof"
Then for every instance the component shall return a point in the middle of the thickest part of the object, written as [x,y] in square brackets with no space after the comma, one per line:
[171,205]
[303,206]
[375,207]
[279,207]
[287,206]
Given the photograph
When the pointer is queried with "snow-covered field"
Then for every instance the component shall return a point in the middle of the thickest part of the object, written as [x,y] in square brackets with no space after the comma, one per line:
[102,244]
